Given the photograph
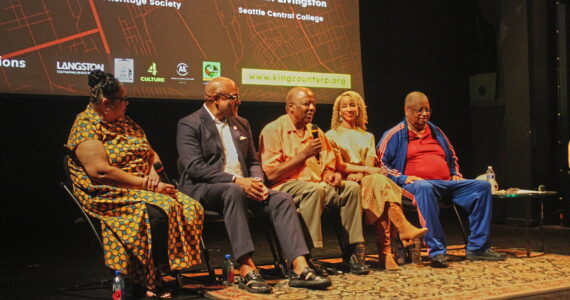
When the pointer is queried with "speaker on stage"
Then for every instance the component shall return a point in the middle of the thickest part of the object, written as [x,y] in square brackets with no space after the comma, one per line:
[483,88]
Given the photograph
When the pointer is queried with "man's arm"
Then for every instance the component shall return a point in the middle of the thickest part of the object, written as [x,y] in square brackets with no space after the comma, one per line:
[275,167]
[386,151]
[189,146]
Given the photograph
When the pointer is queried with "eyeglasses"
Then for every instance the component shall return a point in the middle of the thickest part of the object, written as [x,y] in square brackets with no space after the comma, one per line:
[232,98]
[421,110]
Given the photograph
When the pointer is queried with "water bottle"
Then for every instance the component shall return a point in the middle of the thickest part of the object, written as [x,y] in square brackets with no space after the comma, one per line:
[490,177]
[417,252]
[118,286]
[228,271]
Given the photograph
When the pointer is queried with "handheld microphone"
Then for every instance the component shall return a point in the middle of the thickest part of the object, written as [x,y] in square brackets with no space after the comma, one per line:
[315,133]
[159,168]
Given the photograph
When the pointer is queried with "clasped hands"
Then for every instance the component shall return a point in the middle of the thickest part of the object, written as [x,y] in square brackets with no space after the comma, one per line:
[253,187]
[152,183]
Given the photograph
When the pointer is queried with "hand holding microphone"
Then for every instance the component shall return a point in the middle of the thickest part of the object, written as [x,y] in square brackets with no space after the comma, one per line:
[315,147]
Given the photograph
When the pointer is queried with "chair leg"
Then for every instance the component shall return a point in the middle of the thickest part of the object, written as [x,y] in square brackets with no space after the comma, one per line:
[211,273]
[334,218]
[278,259]
[460,224]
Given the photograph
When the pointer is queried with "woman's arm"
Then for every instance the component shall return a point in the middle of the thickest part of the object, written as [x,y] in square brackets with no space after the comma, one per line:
[92,156]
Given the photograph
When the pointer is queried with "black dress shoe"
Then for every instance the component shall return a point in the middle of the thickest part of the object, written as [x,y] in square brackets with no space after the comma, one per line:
[254,283]
[439,261]
[488,255]
[308,279]
[318,268]
[357,266]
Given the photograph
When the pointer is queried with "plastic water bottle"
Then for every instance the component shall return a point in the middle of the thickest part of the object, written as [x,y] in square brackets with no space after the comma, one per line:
[490,177]
[228,271]
[118,286]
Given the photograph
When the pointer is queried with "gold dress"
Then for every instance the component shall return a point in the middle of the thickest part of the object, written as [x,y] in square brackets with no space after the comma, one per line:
[124,219]
[354,147]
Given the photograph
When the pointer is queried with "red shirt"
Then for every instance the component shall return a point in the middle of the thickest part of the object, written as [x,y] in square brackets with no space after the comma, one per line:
[425,157]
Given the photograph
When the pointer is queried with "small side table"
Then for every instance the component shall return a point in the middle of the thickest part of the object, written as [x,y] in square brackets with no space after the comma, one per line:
[528,197]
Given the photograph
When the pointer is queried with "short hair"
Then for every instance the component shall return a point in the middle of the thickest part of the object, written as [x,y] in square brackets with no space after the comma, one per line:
[102,85]
[361,119]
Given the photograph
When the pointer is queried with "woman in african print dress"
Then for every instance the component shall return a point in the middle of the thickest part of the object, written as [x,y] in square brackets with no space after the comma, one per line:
[145,223]
[381,197]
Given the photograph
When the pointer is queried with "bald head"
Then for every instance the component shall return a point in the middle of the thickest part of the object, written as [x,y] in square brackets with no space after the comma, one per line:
[417,110]
[217,86]
[414,97]
[301,106]
[222,97]
[297,93]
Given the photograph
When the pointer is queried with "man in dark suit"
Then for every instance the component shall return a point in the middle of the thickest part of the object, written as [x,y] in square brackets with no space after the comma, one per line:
[221,170]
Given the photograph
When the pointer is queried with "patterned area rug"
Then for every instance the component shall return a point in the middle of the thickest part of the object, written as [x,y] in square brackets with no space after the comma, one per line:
[462,280]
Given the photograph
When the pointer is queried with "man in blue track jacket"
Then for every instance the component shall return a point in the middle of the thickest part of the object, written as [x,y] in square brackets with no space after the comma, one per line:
[418,156]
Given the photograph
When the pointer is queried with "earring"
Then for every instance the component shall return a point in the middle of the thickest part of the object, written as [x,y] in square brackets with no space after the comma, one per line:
[339,119]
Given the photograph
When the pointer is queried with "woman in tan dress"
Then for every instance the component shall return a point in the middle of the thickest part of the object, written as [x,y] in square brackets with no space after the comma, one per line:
[145,223]
[381,197]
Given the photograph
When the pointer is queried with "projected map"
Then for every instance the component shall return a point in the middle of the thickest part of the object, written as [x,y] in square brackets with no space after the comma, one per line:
[170,49]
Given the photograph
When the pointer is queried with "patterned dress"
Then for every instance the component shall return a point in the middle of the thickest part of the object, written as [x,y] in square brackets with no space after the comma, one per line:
[125,225]
[355,146]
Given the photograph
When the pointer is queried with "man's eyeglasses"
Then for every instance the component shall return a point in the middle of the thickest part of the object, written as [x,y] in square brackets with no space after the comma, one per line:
[421,110]
[232,98]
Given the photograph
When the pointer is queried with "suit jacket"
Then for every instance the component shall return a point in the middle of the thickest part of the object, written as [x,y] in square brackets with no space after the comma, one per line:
[201,153]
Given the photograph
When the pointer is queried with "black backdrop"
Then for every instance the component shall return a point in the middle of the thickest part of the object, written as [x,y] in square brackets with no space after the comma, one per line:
[432,47]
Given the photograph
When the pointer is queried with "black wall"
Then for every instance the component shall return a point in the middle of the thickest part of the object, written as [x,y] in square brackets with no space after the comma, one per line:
[431,46]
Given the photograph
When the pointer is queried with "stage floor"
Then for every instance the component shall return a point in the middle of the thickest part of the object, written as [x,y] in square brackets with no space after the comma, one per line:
[37,262]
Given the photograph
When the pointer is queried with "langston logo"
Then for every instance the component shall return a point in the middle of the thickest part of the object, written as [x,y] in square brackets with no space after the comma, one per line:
[211,70]
[77,68]
[125,70]
[12,63]
[153,70]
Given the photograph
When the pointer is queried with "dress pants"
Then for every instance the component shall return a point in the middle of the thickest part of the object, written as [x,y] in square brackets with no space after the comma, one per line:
[231,200]
[472,195]
[311,199]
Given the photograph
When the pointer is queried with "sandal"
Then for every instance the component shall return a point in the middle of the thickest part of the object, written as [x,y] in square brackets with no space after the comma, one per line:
[254,283]
[159,295]
[308,279]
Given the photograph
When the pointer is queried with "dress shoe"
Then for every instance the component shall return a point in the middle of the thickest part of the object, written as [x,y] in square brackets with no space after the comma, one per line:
[254,283]
[488,255]
[318,268]
[439,261]
[357,266]
[308,279]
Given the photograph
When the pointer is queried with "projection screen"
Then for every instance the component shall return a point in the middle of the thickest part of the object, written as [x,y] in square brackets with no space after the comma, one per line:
[169,49]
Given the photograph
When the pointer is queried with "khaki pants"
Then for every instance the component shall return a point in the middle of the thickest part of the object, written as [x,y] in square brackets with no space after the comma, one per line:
[311,199]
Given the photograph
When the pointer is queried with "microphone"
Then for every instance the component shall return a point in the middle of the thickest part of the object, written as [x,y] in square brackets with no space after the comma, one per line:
[315,133]
[159,168]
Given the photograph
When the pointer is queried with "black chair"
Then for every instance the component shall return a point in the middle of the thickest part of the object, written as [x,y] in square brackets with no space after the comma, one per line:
[68,188]
[211,217]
